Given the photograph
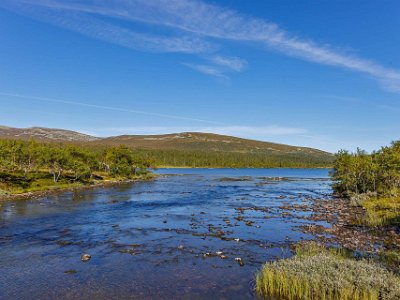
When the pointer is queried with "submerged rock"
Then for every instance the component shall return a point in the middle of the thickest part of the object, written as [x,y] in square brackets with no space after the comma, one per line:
[240,261]
[85,257]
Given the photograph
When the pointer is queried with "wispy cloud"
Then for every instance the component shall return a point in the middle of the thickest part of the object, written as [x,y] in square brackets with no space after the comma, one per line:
[207,70]
[103,107]
[202,20]
[231,63]
[343,98]
[96,28]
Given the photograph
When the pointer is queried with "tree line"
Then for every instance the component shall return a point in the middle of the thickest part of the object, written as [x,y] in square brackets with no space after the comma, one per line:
[360,172]
[27,158]
[220,159]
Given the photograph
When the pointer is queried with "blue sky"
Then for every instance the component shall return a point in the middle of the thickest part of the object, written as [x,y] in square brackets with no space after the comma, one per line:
[323,74]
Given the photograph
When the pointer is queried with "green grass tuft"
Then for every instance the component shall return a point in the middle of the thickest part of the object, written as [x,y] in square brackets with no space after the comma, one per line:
[318,273]
[382,211]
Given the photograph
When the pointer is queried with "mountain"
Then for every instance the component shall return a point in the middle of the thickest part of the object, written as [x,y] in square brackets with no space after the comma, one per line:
[188,148]
[196,141]
[44,134]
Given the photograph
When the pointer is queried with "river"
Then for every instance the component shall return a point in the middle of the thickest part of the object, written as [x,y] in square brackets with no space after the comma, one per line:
[157,239]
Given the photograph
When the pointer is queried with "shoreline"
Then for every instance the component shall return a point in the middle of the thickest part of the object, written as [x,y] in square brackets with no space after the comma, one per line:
[57,190]
[185,167]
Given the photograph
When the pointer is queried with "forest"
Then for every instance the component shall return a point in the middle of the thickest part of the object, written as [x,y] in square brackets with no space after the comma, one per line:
[29,165]
[360,172]
[371,181]
[220,159]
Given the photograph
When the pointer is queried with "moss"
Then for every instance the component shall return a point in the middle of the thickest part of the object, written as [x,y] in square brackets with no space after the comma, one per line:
[317,273]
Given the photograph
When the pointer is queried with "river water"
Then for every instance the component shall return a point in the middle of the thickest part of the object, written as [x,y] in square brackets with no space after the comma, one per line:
[157,239]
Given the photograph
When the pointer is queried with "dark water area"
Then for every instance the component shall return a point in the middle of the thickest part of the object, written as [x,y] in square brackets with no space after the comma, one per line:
[157,239]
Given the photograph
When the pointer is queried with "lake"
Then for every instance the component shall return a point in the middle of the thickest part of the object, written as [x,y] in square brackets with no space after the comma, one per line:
[157,239]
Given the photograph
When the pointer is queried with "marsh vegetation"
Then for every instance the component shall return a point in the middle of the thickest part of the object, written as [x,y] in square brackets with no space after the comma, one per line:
[316,272]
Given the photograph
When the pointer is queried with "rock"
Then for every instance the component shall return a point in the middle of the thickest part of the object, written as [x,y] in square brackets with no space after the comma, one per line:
[85,257]
[70,271]
[219,253]
[240,261]
[223,256]
[130,251]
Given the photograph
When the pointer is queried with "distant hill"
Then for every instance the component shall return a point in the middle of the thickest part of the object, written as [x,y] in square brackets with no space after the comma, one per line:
[188,148]
[44,134]
[196,141]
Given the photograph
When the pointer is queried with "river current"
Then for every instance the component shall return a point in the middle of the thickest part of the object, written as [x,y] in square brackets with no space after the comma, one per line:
[179,236]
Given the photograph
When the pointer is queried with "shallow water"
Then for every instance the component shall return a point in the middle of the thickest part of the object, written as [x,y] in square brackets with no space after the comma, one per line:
[149,239]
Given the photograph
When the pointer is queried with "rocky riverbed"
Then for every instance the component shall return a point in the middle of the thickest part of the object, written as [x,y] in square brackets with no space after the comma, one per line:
[195,234]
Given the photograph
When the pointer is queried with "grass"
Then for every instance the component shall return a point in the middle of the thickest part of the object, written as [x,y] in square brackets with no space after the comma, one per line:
[318,273]
[382,211]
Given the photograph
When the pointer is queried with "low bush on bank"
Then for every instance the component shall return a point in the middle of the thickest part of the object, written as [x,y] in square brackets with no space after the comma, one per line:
[371,181]
[317,273]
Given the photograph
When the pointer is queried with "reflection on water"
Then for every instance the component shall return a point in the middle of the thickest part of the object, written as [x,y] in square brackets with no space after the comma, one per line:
[156,239]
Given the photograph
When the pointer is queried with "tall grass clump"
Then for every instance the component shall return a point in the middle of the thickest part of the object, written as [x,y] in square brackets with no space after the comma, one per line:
[382,211]
[317,273]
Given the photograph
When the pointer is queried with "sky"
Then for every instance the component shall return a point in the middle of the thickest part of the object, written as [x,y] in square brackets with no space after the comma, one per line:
[322,74]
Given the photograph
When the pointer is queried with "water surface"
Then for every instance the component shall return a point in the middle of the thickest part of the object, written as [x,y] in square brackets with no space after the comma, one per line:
[157,239]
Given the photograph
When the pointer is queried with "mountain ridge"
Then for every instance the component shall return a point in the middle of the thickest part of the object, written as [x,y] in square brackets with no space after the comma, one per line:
[199,141]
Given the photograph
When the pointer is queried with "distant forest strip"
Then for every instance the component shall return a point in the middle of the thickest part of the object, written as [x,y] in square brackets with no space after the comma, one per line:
[218,159]
[31,166]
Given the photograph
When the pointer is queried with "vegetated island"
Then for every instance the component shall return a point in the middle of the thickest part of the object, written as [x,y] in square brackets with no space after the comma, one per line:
[29,168]
[370,183]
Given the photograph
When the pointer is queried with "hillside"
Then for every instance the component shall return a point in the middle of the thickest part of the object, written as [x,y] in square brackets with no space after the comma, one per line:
[196,141]
[44,134]
[189,148]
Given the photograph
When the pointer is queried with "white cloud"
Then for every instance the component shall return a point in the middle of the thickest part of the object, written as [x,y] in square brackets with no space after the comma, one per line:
[202,20]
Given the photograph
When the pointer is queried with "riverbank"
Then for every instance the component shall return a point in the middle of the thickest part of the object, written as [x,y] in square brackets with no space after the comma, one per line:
[234,168]
[317,272]
[45,191]
[340,259]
